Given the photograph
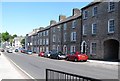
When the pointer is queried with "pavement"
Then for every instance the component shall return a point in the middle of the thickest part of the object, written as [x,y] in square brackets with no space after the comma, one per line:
[105,62]
[8,69]
[97,61]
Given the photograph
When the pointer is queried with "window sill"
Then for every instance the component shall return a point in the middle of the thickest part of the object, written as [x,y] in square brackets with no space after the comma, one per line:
[73,27]
[109,11]
[93,34]
[110,33]
[73,40]
[95,16]
[84,35]
[93,54]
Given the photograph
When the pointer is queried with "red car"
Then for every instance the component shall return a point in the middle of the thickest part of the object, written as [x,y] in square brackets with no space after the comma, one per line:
[76,56]
[41,54]
[23,51]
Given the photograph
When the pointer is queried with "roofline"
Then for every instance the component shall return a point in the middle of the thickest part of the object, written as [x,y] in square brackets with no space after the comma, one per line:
[60,22]
[90,4]
[43,30]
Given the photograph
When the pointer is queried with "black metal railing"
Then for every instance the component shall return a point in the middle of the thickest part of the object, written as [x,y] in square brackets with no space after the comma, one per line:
[53,75]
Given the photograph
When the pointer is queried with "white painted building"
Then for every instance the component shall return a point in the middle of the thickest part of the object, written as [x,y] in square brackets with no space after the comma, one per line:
[17,42]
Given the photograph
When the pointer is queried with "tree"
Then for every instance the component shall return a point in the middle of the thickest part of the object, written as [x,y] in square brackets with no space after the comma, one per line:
[5,36]
[14,35]
[23,42]
[11,38]
[0,37]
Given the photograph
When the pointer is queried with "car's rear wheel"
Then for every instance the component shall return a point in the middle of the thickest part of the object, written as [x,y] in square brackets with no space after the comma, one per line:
[84,60]
[50,57]
[75,59]
[67,59]
[58,58]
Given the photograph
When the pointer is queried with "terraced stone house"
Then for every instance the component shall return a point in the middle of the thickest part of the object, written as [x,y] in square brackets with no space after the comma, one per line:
[65,34]
[101,30]
[43,40]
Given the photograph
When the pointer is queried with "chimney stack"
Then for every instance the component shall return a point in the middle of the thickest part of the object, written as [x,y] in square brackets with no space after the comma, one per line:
[62,17]
[52,22]
[76,11]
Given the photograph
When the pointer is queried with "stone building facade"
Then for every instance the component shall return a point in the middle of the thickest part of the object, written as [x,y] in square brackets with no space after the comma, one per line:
[94,30]
[65,34]
[43,40]
[101,30]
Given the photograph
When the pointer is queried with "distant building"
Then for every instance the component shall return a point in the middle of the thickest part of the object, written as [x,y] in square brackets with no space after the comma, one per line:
[31,40]
[42,43]
[17,41]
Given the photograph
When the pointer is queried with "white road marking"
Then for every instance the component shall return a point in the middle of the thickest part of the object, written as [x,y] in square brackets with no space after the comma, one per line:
[23,70]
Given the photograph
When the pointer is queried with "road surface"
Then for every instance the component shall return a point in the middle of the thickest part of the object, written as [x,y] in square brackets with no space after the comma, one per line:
[36,66]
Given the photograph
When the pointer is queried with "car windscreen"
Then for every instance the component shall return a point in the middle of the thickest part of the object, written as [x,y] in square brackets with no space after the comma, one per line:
[29,51]
[61,53]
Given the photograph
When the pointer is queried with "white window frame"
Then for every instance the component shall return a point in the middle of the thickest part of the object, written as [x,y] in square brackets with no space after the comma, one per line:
[40,34]
[44,33]
[47,48]
[93,11]
[65,37]
[109,9]
[73,36]
[54,38]
[93,28]
[41,42]
[91,51]
[84,14]
[84,30]
[74,23]
[47,32]
[41,49]
[47,41]
[38,42]
[59,27]
[65,26]
[109,26]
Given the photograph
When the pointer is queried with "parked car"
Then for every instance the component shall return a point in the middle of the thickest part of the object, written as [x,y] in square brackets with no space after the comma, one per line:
[29,52]
[2,50]
[9,50]
[16,50]
[23,51]
[47,54]
[58,55]
[41,54]
[76,56]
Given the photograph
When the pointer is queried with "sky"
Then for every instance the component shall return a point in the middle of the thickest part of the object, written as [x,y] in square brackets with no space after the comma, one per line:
[22,17]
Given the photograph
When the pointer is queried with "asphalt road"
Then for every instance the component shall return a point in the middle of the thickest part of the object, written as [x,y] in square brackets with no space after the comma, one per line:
[36,66]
